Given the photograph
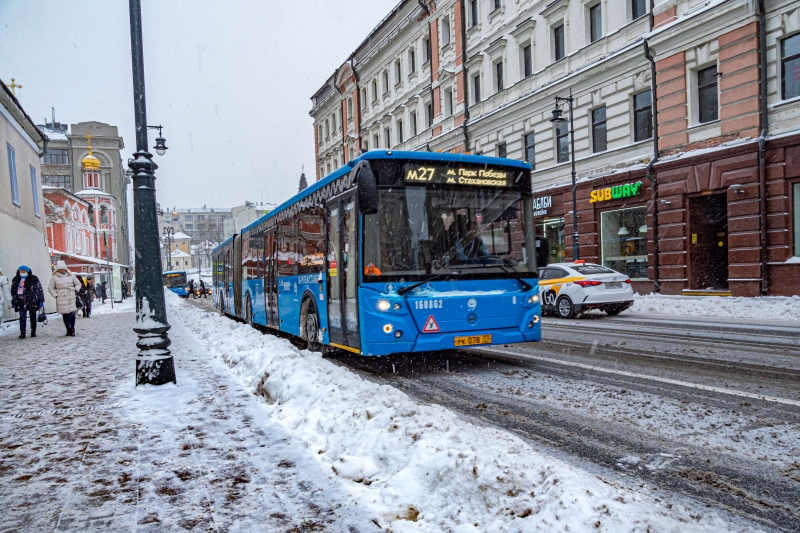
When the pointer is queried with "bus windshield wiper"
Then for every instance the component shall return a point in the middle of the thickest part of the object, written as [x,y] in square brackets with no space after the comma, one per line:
[525,285]
[408,288]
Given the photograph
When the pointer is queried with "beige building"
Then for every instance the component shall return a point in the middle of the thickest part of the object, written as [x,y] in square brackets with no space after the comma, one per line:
[22,220]
[201,224]
[178,251]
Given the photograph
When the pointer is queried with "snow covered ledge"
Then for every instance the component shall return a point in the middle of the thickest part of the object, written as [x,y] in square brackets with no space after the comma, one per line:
[420,467]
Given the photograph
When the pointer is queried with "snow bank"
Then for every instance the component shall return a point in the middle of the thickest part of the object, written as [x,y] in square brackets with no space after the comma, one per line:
[128,305]
[420,467]
[769,308]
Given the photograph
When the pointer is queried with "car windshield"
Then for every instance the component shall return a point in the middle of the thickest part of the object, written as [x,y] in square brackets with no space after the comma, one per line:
[419,231]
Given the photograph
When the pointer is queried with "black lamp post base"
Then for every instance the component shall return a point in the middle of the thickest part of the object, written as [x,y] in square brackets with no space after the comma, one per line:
[155,371]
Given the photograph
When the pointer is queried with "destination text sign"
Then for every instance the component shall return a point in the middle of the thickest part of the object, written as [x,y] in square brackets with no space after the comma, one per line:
[473,176]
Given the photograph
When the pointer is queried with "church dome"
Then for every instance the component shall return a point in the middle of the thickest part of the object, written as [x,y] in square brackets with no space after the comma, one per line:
[90,161]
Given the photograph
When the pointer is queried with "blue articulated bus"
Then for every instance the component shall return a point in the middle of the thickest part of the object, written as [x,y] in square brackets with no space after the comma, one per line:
[175,280]
[395,252]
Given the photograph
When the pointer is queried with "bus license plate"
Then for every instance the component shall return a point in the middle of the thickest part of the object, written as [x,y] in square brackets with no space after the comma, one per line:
[472,340]
[613,285]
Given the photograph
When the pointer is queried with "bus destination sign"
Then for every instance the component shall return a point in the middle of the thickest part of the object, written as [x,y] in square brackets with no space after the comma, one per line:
[477,176]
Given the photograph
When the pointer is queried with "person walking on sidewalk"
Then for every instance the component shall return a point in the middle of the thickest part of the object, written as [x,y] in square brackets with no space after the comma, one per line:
[203,288]
[86,295]
[103,293]
[191,289]
[27,297]
[64,287]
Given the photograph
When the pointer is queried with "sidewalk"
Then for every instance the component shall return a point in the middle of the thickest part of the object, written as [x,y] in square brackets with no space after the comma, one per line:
[81,449]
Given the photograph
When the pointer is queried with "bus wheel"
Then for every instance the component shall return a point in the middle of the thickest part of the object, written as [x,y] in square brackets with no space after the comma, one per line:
[309,322]
[249,311]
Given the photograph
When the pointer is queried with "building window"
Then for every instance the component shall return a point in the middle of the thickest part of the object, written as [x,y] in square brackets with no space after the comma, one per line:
[497,3]
[562,142]
[498,72]
[530,149]
[643,116]
[638,9]
[445,31]
[202,227]
[398,72]
[319,134]
[12,171]
[599,137]
[414,129]
[707,96]
[103,214]
[412,61]
[796,217]
[56,157]
[365,144]
[349,108]
[327,128]
[363,101]
[374,91]
[333,122]
[527,61]
[558,42]
[476,89]
[35,191]
[595,23]
[399,131]
[387,134]
[57,181]
[201,217]
[473,13]
[502,150]
[448,102]
[427,47]
[430,115]
[623,240]
[189,227]
[212,217]
[188,217]
[790,67]
[212,226]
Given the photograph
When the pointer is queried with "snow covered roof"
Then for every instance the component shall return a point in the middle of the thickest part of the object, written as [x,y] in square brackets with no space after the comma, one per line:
[179,253]
[180,235]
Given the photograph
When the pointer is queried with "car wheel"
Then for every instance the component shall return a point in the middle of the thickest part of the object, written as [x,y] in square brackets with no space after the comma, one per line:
[565,308]
[309,322]
[613,310]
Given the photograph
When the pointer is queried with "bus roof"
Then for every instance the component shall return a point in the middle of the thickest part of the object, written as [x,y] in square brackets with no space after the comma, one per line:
[384,154]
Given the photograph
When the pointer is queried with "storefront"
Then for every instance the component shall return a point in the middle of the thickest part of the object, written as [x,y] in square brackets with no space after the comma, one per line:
[709,222]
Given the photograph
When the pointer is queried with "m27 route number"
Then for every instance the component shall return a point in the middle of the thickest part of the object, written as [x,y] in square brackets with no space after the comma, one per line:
[428,304]
[421,174]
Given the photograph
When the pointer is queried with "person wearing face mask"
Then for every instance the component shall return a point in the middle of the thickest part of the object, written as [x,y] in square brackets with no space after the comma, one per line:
[64,287]
[26,297]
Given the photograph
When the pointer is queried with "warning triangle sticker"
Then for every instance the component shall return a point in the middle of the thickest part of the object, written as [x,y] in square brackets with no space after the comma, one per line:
[431,326]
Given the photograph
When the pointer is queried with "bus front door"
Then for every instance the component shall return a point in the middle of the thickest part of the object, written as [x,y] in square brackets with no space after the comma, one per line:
[343,272]
[271,279]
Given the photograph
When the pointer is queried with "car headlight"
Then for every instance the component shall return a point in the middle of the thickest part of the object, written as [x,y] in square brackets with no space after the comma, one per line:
[383,305]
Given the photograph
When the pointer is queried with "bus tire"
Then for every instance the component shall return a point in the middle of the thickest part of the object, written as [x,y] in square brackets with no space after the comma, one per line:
[565,308]
[309,323]
[248,311]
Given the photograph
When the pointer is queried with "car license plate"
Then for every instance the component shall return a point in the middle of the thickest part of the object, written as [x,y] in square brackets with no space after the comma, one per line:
[472,340]
[614,285]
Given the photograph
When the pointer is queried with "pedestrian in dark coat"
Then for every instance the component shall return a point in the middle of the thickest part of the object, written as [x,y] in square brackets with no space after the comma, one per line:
[27,297]
[191,288]
[203,289]
[103,292]
[85,294]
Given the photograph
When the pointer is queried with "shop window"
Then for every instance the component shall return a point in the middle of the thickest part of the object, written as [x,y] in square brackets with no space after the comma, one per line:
[643,116]
[553,232]
[562,142]
[599,136]
[796,218]
[790,67]
[623,240]
[707,95]
[530,149]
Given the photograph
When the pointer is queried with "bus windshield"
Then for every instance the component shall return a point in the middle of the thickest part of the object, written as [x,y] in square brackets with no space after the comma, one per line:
[175,279]
[421,231]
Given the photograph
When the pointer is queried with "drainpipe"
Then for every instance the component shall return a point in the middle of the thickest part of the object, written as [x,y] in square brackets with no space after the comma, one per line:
[465,74]
[650,166]
[762,140]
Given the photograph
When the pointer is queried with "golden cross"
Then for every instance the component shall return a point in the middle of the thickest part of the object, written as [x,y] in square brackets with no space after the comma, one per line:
[14,86]
[89,138]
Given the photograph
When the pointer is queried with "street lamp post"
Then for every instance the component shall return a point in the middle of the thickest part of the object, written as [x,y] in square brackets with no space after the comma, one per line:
[558,119]
[169,236]
[154,362]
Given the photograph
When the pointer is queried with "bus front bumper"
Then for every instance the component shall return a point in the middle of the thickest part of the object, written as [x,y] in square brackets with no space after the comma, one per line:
[430,342]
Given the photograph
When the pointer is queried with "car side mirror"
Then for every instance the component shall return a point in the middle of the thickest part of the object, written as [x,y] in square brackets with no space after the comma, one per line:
[367,188]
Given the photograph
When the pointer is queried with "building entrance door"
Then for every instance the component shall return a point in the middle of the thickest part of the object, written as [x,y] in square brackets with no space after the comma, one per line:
[708,244]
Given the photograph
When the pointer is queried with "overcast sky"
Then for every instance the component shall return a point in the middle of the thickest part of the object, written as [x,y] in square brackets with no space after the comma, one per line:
[229,80]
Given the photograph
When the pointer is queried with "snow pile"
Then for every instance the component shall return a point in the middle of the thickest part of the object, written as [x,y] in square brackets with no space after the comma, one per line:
[420,467]
[128,305]
[768,308]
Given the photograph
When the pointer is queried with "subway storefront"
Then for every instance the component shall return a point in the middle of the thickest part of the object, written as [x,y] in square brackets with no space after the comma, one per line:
[709,223]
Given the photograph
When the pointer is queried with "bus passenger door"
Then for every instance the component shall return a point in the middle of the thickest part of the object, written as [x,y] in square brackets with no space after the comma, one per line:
[343,272]
[271,280]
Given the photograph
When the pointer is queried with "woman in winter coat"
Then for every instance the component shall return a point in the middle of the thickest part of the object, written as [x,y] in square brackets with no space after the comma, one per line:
[64,287]
[26,297]
[86,294]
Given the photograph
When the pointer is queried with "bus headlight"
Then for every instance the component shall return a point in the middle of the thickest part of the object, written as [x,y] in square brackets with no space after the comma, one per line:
[388,328]
[383,305]
[533,298]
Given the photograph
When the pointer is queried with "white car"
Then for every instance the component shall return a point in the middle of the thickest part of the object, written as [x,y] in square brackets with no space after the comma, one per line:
[569,289]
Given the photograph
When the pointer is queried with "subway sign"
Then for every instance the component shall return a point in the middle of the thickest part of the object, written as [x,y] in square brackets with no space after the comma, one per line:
[616,192]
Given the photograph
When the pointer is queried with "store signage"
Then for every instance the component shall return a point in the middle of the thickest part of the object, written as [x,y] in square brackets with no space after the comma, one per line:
[478,176]
[541,205]
[616,192]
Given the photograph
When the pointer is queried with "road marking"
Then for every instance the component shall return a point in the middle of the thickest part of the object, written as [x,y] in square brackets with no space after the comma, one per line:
[709,388]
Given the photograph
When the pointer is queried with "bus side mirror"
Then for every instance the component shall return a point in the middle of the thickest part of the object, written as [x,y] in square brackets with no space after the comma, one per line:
[367,189]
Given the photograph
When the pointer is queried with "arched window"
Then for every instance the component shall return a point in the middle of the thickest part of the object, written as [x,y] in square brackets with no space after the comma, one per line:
[75,215]
[103,214]
[91,214]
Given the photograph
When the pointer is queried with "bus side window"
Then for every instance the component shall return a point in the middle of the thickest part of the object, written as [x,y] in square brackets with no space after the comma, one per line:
[311,241]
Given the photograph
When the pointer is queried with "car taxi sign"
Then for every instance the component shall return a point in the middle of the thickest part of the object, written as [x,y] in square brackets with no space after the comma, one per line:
[431,326]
